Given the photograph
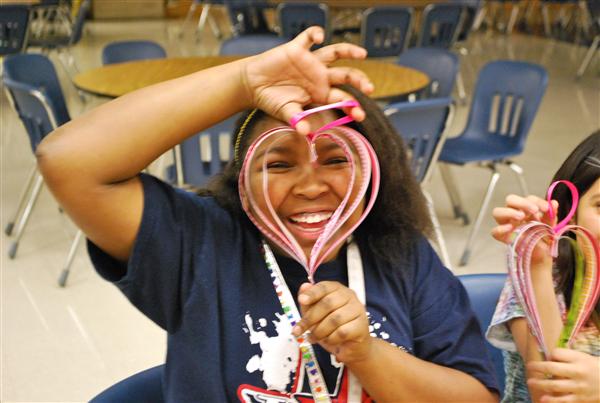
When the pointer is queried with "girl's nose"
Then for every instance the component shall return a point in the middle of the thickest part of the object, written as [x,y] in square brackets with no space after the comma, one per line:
[310,183]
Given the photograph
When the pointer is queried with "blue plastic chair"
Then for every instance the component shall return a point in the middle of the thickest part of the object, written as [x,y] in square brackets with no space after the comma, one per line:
[203,155]
[386,31]
[13,28]
[484,291]
[471,9]
[37,98]
[65,42]
[143,387]
[296,17]
[250,44]
[422,126]
[440,65]
[126,51]
[62,41]
[248,16]
[506,100]
[441,24]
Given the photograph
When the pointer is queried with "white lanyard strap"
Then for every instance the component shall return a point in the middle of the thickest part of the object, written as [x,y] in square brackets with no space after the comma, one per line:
[356,282]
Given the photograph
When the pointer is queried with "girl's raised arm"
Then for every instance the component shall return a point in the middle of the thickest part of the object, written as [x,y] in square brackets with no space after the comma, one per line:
[91,163]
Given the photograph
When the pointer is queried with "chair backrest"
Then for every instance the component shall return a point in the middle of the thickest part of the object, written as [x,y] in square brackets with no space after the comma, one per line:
[77,31]
[204,154]
[484,291]
[593,7]
[33,104]
[33,85]
[125,51]
[247,16]
[145,386]
[440,25]
[506,99]
[385,31]
[439,64]
[296,17]
[13,28]
[250,44]
[421,125]
[470,10]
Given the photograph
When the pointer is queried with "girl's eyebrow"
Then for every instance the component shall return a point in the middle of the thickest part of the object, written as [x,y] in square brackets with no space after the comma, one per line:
[329,147]
[274,150]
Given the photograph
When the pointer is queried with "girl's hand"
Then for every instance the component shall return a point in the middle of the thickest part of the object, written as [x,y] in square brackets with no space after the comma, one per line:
[575,377]
[284,79]
[519,211]
[336,319]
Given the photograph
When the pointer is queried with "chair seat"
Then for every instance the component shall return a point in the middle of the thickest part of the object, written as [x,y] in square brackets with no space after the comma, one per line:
[462,150]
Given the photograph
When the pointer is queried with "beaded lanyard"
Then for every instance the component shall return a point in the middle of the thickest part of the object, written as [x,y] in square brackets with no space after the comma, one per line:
[280,236]
[586,284]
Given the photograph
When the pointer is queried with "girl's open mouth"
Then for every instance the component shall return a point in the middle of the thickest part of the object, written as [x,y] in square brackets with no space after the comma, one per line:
[309,225]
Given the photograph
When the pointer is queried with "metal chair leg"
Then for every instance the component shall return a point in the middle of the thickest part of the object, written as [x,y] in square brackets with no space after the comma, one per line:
[588,56]
[437,230]
[482,211]
[39,181]
[214,27]
[62,279]
[460,87]
[457,207]
[519,171]
[546,19]
[514,13]
[9,227]
[188,16]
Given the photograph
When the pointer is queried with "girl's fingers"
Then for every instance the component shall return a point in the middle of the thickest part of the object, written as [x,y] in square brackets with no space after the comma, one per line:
[526,204]
[534,208]
[552,385]
[502,232]
[347,75]
[504,215]
[559,399]
[555,369]
[316,313]
[331,53]
[337,95]
[338,326]
[290,109]
[310,36]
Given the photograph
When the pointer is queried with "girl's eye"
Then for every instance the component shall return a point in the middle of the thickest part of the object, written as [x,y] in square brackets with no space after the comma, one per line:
[336,160]
[278,165]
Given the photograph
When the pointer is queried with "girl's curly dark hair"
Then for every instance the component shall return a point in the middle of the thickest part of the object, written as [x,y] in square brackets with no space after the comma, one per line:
[399,216]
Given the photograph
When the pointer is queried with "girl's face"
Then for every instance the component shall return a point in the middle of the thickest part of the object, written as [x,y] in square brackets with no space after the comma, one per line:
[304,194]
[588,212]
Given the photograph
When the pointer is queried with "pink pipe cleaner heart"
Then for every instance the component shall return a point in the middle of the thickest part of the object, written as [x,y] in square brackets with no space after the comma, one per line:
[271,225]
[587,282]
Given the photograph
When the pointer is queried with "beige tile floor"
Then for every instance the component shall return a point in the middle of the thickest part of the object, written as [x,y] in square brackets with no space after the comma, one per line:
[64,345]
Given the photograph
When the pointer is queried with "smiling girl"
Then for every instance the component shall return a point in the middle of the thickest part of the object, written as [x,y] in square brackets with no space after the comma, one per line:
[568,375]
[198,267]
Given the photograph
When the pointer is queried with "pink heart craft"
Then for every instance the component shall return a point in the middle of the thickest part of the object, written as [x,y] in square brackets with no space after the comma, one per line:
[270,224]
[586,284]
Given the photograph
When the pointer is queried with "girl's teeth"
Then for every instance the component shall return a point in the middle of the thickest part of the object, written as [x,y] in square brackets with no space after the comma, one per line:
[311,218]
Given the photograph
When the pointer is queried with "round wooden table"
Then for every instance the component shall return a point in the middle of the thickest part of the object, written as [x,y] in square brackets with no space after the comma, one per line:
[389,79]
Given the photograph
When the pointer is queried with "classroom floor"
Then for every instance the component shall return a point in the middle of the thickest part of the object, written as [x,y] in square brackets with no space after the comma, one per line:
[67,344]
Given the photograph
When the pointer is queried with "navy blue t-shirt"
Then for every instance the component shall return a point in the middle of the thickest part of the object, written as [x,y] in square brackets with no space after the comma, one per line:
[199,274]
